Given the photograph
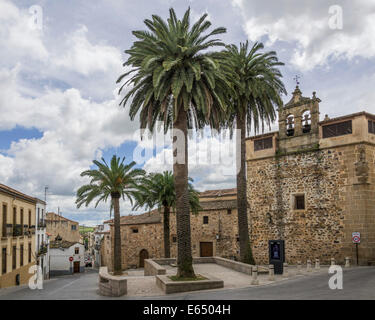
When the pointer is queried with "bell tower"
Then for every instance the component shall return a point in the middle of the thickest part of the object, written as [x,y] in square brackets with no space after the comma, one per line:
[298,123]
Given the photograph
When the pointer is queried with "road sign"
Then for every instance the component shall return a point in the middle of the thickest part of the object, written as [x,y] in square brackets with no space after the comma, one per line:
[70,259]
[356,237]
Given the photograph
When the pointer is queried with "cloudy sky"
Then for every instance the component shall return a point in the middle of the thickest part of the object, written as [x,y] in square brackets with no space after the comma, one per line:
[59,61]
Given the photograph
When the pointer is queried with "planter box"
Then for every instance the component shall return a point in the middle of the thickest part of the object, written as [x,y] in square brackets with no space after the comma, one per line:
[152,268]
[112,286]
[170,286]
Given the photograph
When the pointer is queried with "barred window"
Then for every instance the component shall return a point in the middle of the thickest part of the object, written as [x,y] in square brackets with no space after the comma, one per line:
[371,126]
[299,202]
[337,129]
[262,144]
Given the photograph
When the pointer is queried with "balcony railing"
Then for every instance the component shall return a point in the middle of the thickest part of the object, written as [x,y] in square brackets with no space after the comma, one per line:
[17,230]
[41,224]
[32,229]
[42,249]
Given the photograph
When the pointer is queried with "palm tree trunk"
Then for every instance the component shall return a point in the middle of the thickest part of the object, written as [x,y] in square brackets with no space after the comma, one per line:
[243,229]
[180,171]
[117,269]
[167,249]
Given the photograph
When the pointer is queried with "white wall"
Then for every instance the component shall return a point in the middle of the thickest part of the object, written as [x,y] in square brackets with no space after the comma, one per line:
[59,258]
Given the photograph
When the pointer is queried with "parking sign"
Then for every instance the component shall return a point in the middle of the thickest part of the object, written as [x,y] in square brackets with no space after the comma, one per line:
[356,237]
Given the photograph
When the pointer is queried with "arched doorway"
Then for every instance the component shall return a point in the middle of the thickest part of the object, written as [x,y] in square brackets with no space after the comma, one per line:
[142,256]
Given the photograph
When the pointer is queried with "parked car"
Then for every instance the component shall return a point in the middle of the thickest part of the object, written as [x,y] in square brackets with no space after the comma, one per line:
[88,261]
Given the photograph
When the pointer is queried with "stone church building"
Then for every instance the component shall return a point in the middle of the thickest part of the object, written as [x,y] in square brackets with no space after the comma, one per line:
[311,183]
[213,231]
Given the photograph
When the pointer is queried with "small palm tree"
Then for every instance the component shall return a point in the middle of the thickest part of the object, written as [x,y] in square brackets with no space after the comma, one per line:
[157,189]
[175,80]
[116,181]
[258,88]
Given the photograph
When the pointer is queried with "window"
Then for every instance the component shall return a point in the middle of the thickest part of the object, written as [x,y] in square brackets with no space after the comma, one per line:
[262,144]
[29,252]
[371,126]
[74,227]
[21,255]
[14,257]
[4,220]
[21,221]
[299,202]
[205,220]
[29,218]
[76,250]
[174,239]
[135,230]
[229,211]
[14,217]
[4,260]
[337,129]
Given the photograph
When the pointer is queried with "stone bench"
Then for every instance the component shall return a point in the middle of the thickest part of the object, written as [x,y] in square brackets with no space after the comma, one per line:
[152,268]
[234,265]
[111,286]
[169,286]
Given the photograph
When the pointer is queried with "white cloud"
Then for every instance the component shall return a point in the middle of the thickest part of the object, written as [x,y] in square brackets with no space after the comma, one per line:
[17,37]
[87,58]
[210,164]
[305,25]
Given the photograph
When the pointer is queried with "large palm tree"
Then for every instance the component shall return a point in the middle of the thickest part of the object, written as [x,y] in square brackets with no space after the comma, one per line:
[258,89]
[175,80]
[119,180]
[157,189]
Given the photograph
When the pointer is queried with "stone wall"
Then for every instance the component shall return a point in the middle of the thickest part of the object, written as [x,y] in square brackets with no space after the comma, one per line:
[67,229]
[339,197]
[221,231]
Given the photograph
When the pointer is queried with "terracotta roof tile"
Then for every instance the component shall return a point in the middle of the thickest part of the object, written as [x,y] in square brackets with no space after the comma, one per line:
[17,193]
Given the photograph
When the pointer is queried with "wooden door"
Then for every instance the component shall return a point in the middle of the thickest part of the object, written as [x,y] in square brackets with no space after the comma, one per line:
[142,256]
[207,249]
[76,267]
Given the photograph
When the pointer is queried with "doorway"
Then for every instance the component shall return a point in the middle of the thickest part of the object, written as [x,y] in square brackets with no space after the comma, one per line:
[76,266]
[206,249]
[142,256]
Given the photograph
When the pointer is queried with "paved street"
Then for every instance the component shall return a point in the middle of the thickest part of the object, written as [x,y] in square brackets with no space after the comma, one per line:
[359,283]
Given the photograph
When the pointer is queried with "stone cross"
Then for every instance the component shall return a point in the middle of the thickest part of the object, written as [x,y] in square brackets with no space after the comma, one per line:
[296,78]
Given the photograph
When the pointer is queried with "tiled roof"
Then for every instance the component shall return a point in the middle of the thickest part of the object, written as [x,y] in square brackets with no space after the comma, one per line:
[51,216]
[16,193]
[154,216]
[61,244]
[217,193]
[144,218]
[218,205]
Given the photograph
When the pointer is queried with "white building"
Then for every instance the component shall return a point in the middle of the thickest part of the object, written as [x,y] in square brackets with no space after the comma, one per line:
[99,232]
[42,239]
[66,257]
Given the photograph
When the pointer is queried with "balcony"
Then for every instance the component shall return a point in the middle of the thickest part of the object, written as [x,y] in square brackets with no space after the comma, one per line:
[41,224]
[17,230]
[32,229]
[42,249]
